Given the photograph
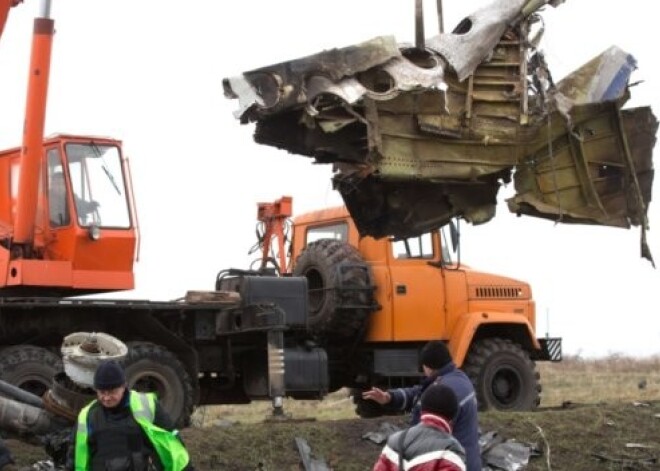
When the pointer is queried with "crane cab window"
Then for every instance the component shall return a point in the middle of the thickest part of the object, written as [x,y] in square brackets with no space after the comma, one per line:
[413,247]
[332,231]
[98,185]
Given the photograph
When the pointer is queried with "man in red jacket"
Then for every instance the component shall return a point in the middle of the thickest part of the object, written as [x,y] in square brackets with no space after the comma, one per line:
[429,445]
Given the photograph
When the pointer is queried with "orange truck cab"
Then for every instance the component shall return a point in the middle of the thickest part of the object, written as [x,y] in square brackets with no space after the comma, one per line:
[398,294]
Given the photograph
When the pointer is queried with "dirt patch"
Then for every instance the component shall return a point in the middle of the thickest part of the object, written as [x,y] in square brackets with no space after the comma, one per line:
[618,436]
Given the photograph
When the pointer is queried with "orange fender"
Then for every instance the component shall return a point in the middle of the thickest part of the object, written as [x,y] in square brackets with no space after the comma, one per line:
[468,324]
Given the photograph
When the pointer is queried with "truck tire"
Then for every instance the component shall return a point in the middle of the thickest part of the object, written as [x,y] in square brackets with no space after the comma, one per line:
[152,368]
[29,367]
[339,287]
[503,375]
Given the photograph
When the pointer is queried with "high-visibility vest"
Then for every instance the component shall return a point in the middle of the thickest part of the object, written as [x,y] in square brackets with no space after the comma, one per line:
[173,455]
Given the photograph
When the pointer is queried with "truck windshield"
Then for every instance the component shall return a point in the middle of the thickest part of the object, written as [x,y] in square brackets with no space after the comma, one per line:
[98,185]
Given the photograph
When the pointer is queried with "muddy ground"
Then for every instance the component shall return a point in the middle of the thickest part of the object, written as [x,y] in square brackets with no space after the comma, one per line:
[613,436]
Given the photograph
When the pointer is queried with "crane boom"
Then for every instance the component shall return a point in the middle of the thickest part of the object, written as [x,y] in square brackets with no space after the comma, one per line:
[33,127]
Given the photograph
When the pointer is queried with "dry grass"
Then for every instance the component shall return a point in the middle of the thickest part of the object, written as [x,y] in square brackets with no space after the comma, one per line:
[335,406]
[606,423]
[575,380]
[591,381]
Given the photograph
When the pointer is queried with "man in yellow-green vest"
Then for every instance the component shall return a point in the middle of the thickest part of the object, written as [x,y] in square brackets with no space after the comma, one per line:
[123,430]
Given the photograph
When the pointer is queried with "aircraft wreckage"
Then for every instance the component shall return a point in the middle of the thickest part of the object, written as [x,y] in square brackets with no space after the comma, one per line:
[420,134]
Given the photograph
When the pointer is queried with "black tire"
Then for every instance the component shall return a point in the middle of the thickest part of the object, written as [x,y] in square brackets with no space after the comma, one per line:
[152,368]
[504,376]
[340,289]
[29,367]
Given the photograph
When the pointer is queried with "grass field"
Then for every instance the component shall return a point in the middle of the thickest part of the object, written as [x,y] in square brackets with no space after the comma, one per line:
[574,380]
[601,414]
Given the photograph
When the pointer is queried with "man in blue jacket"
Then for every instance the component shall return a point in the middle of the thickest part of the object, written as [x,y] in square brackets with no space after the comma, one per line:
[439,367]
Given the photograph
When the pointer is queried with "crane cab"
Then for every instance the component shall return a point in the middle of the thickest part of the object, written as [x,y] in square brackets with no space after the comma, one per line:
[84,236]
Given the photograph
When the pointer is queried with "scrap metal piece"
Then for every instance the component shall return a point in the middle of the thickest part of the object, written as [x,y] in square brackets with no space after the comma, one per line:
[505,454]
[309,463]
[418,136]
[379,437]
[476,35]
[65,398]
[23,418]
[10,391]
[275,88]
[604,78]
[596,166]
[83,351]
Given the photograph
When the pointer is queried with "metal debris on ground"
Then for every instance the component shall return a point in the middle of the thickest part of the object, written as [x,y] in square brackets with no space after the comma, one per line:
[640,404]
[629,463]
[380,437]
[309,462]
[498,453]
[45,465]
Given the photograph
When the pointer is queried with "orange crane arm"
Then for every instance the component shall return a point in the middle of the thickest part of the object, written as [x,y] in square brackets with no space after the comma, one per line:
[273,216]
[33,127]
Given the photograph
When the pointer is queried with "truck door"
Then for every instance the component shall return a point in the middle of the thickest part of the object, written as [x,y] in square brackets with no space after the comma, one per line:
[418,288]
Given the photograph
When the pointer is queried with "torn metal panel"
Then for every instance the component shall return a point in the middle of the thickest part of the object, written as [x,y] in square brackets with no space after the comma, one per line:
[601,172]
[419,136]
[585,176]
[604,78]
[275,88]
[474,38]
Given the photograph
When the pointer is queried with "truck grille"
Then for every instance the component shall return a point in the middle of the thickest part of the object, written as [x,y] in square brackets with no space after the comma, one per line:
[508,292]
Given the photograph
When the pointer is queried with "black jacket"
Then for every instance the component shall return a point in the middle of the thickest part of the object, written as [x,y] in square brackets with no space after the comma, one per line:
[117,441]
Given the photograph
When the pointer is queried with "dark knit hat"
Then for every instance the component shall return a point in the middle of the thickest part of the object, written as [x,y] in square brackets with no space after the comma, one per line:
[109,375]
[439,399]
[435,355]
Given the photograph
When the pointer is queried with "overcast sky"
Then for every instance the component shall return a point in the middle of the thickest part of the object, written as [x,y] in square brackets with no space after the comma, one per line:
[149,72]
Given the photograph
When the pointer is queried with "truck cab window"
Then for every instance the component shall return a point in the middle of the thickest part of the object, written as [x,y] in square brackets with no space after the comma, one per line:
[58,206]
[413,247]
[333,231]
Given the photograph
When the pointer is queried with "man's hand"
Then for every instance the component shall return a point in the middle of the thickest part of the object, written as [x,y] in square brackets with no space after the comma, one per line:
[378,395]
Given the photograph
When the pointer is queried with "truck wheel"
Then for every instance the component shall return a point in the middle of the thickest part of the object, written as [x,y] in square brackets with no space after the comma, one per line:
[152,368]
[504,376]
[340,290]
[29,367]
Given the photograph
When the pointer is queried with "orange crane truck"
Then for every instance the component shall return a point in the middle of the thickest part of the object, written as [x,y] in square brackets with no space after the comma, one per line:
[68,227]
[373,303]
